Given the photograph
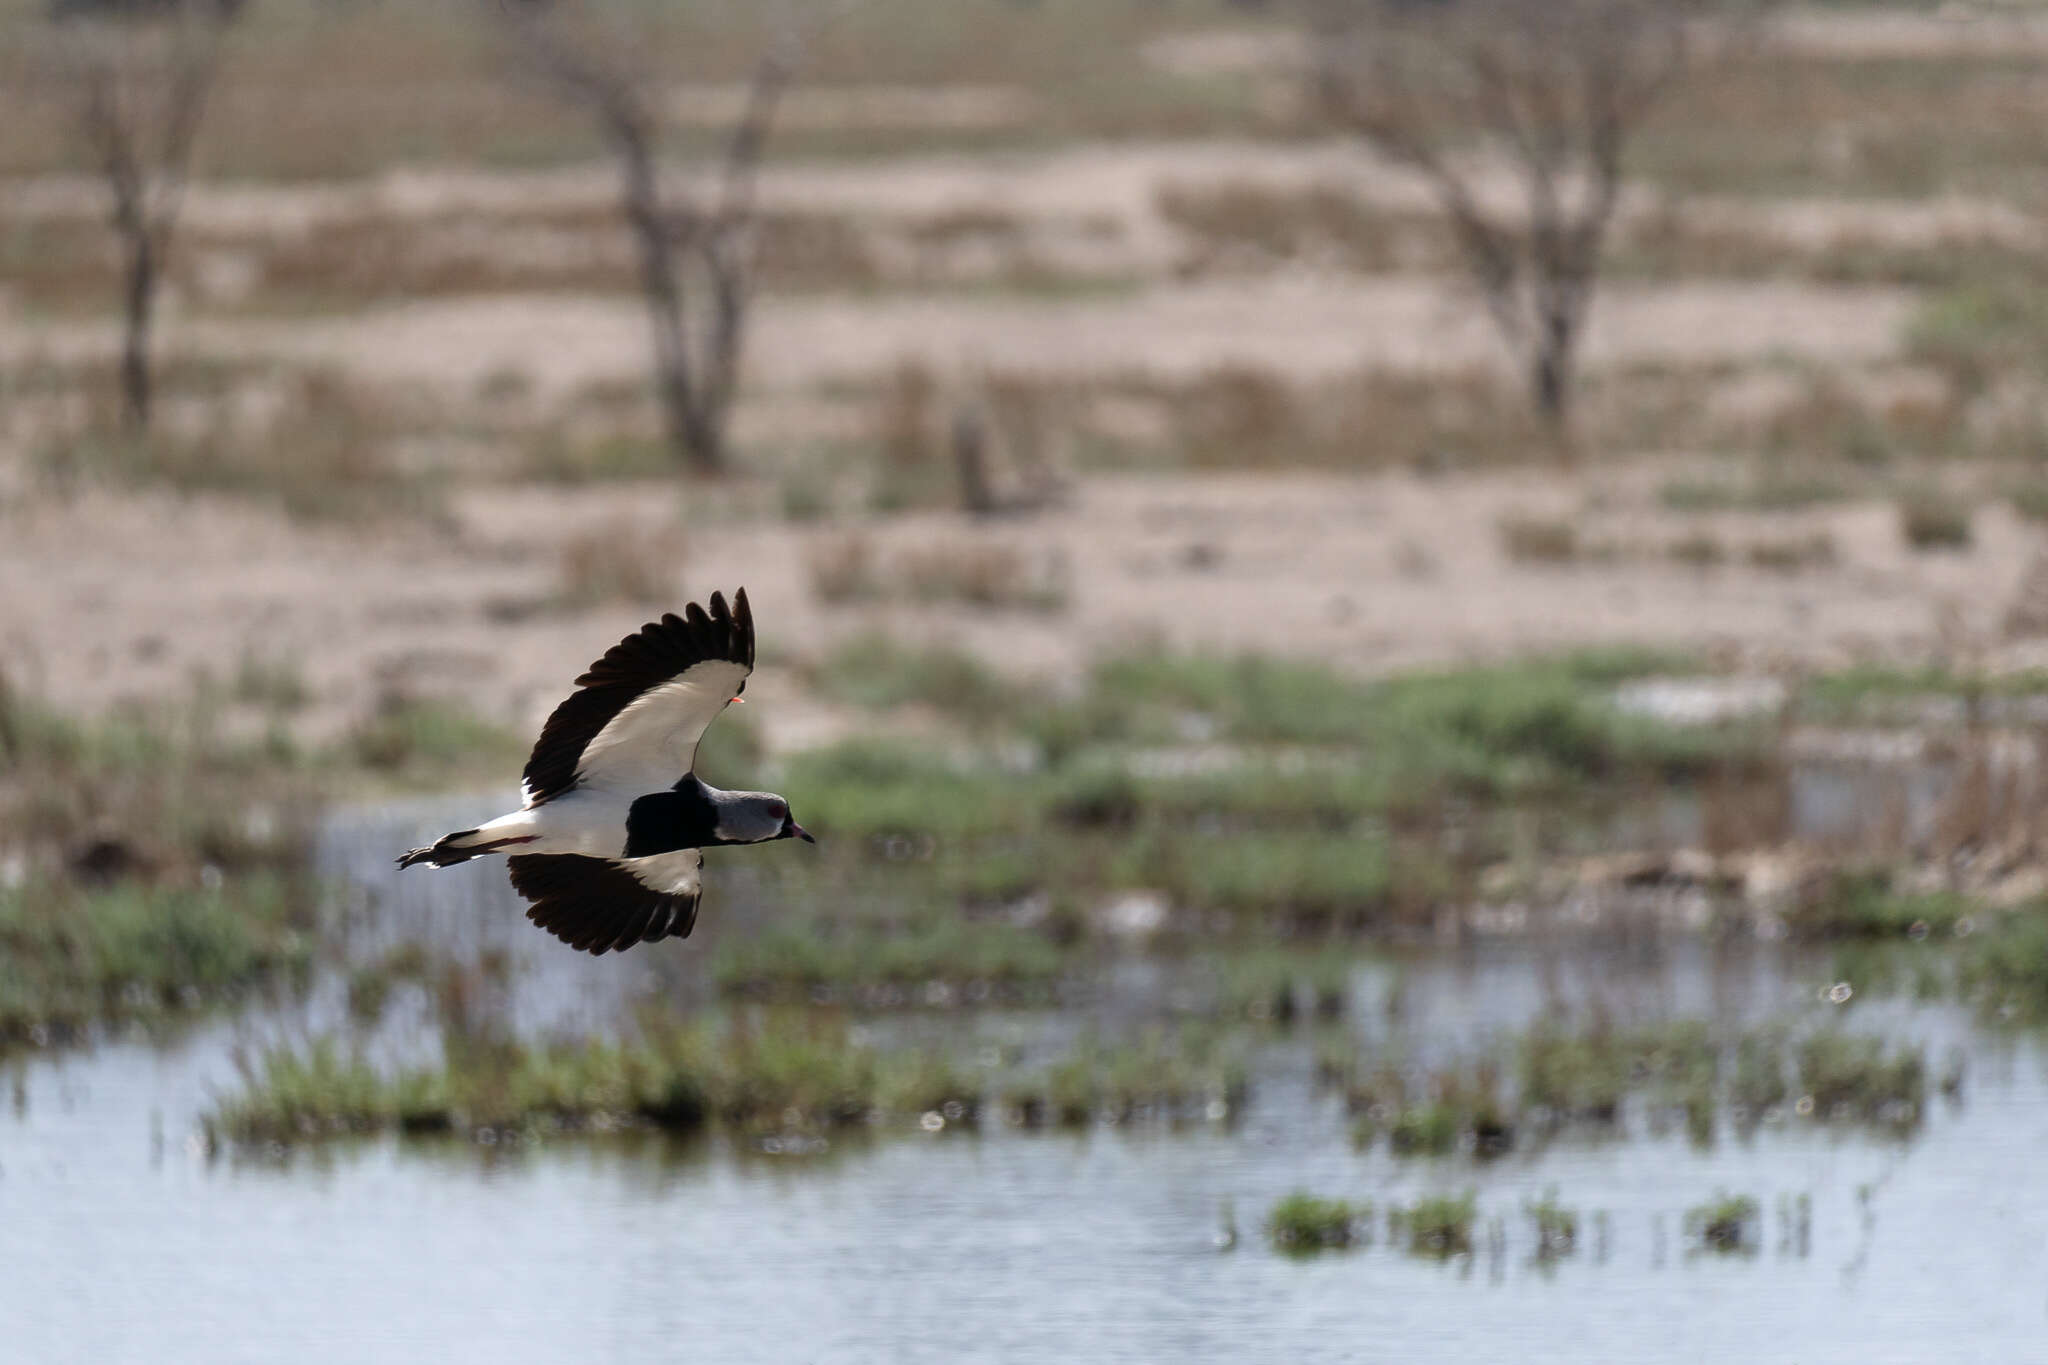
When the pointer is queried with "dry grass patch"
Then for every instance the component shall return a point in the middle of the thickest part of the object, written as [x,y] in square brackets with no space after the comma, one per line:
[53,264]
[1244,417]
[910,441]
[345,262]
[844,569]
[984,444]
[316,443]
[995,577]
[2029,500]
[1698,549]
[1769,492]
[1826,419]
[348,90]
[1725,130]
[1933,519]
[1249,224]
[553,454]
[984,575]
[1676,241]
[965,223]
[1791,554]
[620,561]
[1529,539]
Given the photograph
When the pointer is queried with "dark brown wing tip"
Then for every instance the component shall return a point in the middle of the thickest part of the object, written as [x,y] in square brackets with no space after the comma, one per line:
[658,651]
[719,633]
[743,624]
[596,906]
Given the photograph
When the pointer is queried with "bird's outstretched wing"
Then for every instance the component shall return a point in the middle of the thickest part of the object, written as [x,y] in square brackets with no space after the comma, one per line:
[597,905]
[635,720]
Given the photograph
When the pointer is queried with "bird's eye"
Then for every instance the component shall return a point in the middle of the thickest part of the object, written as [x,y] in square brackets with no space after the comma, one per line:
[779,811]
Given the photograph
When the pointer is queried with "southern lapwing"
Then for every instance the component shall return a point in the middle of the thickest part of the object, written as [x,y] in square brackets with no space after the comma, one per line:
[609,836]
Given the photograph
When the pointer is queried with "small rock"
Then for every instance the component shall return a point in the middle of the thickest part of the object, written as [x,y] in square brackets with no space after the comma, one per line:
[1135,914]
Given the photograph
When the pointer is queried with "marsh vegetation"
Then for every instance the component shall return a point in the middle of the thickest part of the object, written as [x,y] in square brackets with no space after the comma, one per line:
[1253,769]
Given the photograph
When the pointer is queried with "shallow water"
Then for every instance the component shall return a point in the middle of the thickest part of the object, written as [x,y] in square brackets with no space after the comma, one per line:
[122,1240]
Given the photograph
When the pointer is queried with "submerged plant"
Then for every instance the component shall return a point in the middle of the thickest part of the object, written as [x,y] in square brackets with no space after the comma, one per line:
[1724,1224]
[1192,1075]
[1848,1076]
[1426,1130]
[1864,905]
[1450,1110]
[778,1073]
[2005,969]
[136,951]
[1572,1077]
[924,957]
[321,1092]
[1557,1227]
[1437,1227]
[1283,987]
[1759,1085]
[1303,1224]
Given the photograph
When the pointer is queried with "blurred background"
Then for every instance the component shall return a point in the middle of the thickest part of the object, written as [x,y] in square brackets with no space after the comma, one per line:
[1415,632]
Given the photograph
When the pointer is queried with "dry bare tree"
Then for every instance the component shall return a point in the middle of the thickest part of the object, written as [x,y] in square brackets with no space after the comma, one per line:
[137,74]
[694,245]
[1517,114]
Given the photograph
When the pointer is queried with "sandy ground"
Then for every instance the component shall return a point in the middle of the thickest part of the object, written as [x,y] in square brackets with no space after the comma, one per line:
[1109,191]
[1302,326]
[1092,213]
[114,596]
[107,595]
[1959,29]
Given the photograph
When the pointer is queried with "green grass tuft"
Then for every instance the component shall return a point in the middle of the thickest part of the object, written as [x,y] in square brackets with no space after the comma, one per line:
[1437,1227]
[1863,905]
[877,671]
[760,1075]
[1303,1224]
[2004,969]
[1726,1224]
[1769,493]
[1861,1079]
[937,957]
[1557,1227]
[422,736]
[72,958]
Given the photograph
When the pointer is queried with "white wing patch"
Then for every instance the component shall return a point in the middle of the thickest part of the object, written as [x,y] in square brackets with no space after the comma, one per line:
[672,874]
[653,741]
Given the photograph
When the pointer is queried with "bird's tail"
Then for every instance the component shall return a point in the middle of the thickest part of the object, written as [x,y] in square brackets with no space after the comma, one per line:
[459,847]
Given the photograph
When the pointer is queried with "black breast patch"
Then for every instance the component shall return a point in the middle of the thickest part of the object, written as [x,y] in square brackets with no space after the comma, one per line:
[663,822]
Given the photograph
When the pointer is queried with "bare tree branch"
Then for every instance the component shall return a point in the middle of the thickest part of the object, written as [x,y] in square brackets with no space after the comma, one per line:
[140,76]
[1554,90]
[696,251]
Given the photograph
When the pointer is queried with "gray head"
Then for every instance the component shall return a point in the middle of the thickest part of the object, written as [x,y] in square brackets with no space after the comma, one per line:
[756,818]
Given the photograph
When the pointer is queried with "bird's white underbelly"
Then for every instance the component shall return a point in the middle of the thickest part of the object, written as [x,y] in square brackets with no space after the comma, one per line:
[588,820]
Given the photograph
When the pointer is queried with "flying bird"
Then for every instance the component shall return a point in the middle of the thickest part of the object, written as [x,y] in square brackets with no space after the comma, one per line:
[609,836]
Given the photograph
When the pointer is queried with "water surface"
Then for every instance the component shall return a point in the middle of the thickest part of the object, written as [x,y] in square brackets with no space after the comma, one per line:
[122,1239]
